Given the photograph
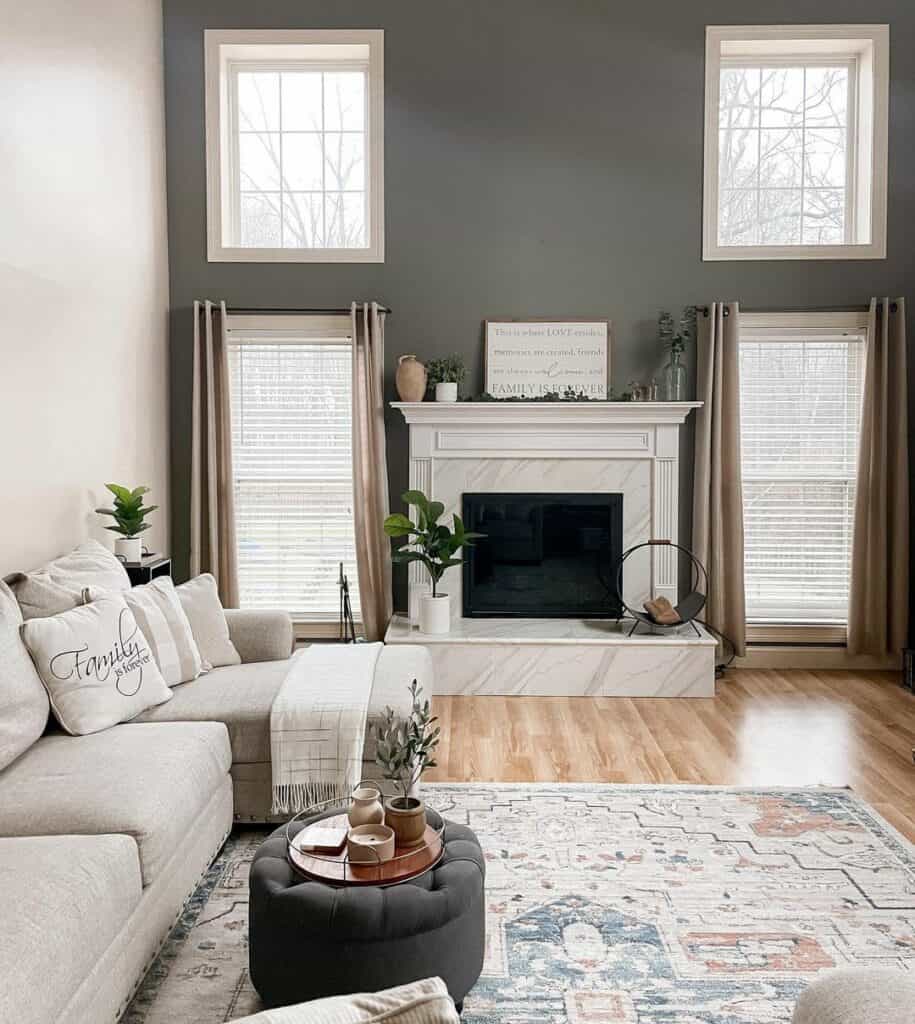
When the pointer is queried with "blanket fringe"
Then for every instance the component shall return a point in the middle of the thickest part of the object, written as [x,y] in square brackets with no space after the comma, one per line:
[293,798]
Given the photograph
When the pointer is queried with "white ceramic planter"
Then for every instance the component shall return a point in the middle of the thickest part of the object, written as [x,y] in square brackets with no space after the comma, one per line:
[435,614]
[446,392]
[415,594]
[129,549]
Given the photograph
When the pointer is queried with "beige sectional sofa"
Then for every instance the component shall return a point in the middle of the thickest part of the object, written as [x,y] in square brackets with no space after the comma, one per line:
[103,837]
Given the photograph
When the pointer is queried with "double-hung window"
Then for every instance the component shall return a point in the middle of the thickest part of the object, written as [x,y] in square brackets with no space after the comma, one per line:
[796,142]
[291,401]
[801,386]
[295,145]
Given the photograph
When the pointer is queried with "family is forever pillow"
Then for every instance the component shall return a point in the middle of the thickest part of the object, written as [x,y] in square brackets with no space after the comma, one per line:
[95,664]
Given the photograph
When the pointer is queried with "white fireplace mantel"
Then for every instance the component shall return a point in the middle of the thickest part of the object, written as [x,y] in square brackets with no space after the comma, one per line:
[592,415]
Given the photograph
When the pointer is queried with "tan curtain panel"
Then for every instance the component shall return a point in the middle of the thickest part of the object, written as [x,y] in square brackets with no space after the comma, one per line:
[879,605]
[370,470]
[213,547]
[717,492]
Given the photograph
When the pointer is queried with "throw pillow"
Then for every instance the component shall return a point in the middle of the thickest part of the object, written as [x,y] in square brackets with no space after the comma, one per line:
[23,701]
[95,664]
[420,1002]
[39,596]
[200,599]
[164,624]
[89,565]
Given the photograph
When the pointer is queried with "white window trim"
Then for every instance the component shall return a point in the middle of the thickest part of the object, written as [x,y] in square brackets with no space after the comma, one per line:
[219,62]
[827,322]
[869,45]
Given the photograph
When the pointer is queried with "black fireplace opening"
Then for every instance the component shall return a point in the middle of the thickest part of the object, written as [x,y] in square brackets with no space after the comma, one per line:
[543,556]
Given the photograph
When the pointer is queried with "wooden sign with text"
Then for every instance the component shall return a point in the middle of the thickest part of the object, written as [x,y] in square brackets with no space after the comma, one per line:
[530,358]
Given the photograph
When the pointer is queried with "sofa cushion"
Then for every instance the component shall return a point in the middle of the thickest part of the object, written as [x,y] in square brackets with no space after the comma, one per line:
[65,899]
[164,623]
[23,700]
[242,696]
[147,781]
[420,1002]
[239,695]
[200,599]
[96,665]
[89,565]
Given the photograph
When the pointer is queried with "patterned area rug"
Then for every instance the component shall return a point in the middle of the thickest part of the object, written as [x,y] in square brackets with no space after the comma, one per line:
[617,905]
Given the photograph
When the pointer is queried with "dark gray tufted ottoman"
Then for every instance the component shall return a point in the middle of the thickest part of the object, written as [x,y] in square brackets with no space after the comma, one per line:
[308,939]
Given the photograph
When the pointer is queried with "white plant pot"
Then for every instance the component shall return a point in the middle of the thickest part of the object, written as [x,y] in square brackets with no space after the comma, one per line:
[415,593]
[446,392]
[435,614]
[129,549]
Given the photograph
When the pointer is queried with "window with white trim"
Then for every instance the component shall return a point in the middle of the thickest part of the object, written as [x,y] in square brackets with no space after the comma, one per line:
[291,401]
[295,145]
[795,142]
[801,387]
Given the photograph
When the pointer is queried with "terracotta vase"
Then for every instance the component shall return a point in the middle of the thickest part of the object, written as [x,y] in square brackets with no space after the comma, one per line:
[408,822]
[410,379]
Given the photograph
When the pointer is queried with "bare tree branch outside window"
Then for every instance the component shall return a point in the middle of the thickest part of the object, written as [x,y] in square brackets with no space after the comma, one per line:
[301,159]
[783,155]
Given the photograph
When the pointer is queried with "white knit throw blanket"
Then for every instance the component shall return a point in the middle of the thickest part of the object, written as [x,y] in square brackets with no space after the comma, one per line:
[317,725]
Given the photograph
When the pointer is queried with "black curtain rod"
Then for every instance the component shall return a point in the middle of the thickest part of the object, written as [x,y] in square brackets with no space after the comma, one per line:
[894,307]
[277,309]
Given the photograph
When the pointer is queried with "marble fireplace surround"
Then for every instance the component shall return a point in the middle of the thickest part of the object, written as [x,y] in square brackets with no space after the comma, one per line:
[631,448]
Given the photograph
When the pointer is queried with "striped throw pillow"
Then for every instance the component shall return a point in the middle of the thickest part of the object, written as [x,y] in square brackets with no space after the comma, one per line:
[163,622]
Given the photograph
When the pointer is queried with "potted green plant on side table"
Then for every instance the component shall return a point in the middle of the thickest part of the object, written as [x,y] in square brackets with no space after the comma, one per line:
[129,516]
[405,749]
[436,547]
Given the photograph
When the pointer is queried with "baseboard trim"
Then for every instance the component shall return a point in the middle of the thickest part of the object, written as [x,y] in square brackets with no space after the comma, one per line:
[809,656]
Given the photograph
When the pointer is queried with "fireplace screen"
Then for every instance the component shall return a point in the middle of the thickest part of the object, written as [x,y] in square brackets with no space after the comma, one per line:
[544,555]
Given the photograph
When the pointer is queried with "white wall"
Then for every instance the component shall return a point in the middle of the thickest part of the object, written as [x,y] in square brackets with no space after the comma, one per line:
[83,269]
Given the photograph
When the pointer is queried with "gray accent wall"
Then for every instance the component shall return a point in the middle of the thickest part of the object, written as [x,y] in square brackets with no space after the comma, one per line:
[542,157]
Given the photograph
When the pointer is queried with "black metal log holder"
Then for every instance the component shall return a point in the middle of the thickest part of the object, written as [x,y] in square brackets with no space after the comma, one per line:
[688,609]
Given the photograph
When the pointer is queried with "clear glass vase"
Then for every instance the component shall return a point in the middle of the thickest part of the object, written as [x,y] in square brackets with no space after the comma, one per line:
[675,378]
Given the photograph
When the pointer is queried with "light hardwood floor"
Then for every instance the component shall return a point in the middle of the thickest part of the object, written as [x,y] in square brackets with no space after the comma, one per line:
[764,728]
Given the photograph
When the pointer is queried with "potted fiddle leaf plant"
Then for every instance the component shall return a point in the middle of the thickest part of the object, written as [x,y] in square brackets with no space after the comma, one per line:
[436,547]
[129,514]
[406,749]
[446,376]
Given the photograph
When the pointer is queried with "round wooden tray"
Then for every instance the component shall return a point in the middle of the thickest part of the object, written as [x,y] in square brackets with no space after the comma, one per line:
[336,868]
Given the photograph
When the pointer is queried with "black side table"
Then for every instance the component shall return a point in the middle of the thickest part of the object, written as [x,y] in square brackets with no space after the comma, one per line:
[148,568]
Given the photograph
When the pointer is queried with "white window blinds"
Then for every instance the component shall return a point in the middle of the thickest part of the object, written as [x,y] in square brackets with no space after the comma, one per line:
[800,395]
[291,395]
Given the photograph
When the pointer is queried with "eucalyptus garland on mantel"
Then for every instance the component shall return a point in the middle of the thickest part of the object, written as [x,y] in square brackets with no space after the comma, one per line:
[568,394]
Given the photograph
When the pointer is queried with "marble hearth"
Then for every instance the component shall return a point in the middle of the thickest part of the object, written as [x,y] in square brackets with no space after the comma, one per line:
[564,658]
[607,447]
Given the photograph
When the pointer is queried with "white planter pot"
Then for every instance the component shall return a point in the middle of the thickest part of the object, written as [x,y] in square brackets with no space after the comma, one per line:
[129,549]
[415,593]
[435,614]
[446,392]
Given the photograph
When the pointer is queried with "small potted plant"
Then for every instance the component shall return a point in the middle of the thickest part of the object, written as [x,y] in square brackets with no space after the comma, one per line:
[406,748]
[436,547]
[446,375]
[129,516]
